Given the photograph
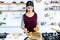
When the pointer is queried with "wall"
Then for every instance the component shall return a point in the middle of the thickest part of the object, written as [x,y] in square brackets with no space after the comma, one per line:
[39,9]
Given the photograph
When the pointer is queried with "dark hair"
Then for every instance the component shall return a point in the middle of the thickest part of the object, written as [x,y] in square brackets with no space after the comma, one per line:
[29,3]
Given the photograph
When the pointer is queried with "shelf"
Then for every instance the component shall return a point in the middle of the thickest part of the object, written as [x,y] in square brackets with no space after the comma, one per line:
[52,10]
[51,3]
[12,3]
[12,10]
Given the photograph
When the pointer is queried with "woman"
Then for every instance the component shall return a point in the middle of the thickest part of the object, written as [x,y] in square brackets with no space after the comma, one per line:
[29,21]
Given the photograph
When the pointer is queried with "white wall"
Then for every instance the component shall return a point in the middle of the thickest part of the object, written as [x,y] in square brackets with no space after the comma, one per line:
[39,9]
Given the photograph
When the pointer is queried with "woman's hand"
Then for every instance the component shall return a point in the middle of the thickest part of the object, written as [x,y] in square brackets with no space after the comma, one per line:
[26,30]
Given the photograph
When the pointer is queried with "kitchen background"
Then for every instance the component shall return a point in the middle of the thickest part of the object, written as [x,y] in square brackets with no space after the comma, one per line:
[11,12]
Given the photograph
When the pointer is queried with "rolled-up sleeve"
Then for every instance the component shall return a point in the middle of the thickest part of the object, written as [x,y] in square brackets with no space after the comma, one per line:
[22,22]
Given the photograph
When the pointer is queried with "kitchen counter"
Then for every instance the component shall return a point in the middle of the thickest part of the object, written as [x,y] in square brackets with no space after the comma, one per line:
[16,36]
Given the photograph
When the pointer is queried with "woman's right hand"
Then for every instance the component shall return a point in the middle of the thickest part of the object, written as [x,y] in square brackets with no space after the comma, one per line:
[26,30]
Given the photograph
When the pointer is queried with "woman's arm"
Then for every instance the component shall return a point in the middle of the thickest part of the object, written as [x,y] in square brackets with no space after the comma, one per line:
[23,25]
[25,30]
[38,23]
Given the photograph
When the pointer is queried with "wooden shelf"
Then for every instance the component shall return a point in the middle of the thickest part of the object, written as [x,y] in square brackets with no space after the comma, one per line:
[12,10]
[12,3]
[51,3]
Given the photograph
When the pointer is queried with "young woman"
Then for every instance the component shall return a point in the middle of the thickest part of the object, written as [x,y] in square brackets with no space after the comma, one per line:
[29,20]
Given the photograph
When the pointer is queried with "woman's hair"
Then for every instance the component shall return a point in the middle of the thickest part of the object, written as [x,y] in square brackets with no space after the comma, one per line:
[29,3]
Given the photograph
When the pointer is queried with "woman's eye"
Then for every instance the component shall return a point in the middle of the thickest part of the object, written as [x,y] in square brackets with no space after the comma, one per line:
[28,8]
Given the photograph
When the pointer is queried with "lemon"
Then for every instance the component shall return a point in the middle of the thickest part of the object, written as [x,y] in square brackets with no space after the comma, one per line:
[30,33]
[36,29]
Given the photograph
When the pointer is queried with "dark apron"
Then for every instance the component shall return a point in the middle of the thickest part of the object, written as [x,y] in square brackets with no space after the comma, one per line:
[30,22]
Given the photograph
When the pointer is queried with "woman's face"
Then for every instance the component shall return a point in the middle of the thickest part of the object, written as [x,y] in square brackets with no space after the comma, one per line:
[29,8]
